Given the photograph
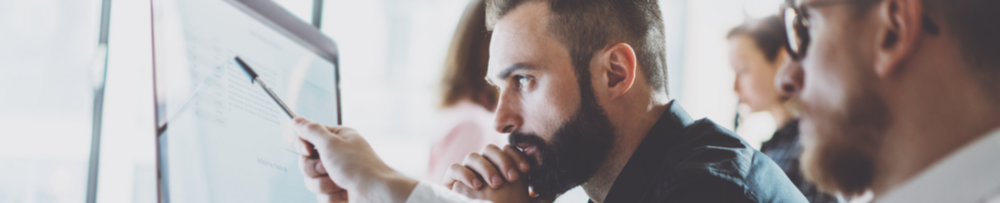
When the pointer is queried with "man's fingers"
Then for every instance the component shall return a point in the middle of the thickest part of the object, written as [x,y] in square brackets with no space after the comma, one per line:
[311,167]
[341,130]
[464,190]
[300,147]
[518,157]
[316,178]
[322,185]
[314,133]
[319,183]
[306,149]
[480,165]
[504,164]
[339,197]
[458,173]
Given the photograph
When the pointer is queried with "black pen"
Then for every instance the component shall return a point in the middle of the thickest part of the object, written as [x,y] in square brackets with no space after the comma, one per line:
[254,78]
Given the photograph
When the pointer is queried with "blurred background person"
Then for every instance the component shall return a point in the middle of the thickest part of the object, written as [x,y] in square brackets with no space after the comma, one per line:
[468,100]
[756,51]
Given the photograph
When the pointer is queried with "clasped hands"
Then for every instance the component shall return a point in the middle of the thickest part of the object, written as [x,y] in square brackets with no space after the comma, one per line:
[348,169]
[494,174]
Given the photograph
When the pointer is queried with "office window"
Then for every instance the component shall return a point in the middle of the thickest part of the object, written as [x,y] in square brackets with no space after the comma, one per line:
[47,50]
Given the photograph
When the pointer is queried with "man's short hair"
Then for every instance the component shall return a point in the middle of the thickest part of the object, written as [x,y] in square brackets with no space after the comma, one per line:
[588,26]
[975,25]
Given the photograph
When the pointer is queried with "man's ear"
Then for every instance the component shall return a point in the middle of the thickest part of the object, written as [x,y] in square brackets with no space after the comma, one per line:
[620,68]
[899,29]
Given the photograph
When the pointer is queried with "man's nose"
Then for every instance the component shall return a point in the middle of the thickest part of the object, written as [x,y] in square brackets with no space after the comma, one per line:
[790,78]
[508,114]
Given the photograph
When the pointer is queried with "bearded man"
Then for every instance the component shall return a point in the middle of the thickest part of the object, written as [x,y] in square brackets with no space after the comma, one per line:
[583,95]
[898,97]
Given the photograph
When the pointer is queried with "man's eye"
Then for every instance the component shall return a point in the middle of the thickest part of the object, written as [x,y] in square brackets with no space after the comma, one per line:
[522,81]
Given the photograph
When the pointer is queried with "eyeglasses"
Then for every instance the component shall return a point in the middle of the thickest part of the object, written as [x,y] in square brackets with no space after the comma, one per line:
[797,24]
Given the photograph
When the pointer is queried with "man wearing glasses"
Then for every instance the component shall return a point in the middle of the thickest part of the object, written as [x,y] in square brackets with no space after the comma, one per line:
[898,97]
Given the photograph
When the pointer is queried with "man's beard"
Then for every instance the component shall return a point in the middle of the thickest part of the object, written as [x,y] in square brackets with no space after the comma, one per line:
[840,156]
[577,150]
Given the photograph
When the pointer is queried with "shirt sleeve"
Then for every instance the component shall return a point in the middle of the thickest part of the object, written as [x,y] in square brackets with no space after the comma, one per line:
[430,193]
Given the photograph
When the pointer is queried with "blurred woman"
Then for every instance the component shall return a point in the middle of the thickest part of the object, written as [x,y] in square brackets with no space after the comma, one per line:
[756,53]
[468,101]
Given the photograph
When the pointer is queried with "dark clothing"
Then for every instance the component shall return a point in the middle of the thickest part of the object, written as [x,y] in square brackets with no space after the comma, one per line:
[686,160]
[784,148]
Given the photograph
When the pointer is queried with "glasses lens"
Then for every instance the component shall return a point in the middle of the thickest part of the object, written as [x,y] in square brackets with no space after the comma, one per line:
[791,18]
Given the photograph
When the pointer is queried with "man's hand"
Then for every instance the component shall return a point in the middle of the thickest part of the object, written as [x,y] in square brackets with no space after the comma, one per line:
[493,165]
[316,178]
[516,191]
[350,164]
[467,178]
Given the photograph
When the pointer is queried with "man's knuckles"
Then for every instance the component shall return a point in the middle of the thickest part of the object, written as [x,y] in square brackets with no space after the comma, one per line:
[472,158]
[315,127]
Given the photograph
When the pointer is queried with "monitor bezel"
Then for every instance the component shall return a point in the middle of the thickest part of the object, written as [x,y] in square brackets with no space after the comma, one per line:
[270,14]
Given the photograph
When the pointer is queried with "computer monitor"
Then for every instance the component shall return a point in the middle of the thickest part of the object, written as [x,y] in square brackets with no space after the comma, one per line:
[221,138]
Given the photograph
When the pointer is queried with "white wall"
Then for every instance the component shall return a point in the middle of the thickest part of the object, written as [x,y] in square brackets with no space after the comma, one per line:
[47,52]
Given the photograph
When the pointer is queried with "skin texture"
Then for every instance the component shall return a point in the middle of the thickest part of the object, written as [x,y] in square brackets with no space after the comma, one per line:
[543,95]
[347,165]
[755,78]
[510,192]
[881,100]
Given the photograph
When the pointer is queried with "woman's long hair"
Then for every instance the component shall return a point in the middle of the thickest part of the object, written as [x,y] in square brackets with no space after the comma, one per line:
[465,65]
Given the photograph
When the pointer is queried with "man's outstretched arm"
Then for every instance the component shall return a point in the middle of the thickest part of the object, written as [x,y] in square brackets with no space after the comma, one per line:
[348,168]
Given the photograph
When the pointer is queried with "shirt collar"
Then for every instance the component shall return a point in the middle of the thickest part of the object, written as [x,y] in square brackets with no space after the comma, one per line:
[971,174]
[636,177]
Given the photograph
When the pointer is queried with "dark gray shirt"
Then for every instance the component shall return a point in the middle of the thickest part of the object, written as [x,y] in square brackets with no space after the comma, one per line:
[784,148]
[686,160]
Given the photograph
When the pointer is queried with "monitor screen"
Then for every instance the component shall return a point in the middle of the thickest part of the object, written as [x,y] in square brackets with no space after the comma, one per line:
[220,137]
